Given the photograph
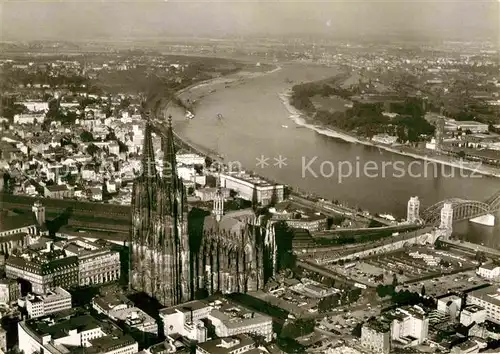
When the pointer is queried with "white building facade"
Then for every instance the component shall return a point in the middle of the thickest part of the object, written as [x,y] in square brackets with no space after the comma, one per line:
[413,210]
[253,188]
[53,301]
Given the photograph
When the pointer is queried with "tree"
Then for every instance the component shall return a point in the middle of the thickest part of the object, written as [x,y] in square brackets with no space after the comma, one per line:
[481,257]
[255,199]
[394,280]
[92,149]
[354,295]
[289,345]
[296,329]
[233,193]
[384,290]
[274,197]
[123,147]
[328,303]
[70,178]
[108,111]
[356,331]
[422,292]
[87,136]
[125,103]
[406,298]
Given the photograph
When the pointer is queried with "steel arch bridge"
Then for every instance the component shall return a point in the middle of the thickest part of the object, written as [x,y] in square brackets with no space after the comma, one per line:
[494,201]
[462,209]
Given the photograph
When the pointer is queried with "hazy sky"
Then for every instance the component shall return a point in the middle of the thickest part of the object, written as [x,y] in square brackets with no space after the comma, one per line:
[86,19]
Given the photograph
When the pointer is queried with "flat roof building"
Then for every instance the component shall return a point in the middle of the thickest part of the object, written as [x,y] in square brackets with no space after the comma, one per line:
[229,319]
[410,325]
[52,301]
[240,344]
[489,299]
[253,188]
[106,304]
[471,314]
[376,336]
[473,126]
[73,333]
[489,271]
[185,320]
[136,319]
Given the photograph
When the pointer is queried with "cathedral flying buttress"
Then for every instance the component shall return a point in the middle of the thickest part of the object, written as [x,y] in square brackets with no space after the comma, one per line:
[231,255]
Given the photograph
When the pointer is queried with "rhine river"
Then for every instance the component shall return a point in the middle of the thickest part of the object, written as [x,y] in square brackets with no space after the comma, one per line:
[256,123]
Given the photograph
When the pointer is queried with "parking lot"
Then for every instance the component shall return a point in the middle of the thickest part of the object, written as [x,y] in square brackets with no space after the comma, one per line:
[445,284]
[344,321]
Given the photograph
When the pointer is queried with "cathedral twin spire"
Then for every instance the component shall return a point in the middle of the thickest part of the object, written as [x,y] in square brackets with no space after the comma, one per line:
[160,257]
[218,208]
[169,160]
[148,156]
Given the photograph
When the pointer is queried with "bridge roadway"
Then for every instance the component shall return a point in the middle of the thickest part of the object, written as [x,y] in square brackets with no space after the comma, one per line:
[335,210]
[328,234]
[472,248]
[324,271]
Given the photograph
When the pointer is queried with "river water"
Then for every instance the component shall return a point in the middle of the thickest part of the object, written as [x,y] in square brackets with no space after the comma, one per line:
[256,123]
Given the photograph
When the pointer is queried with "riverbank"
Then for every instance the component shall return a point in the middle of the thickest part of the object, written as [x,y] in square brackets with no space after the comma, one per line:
[302,119]
[227,79]
[230,79]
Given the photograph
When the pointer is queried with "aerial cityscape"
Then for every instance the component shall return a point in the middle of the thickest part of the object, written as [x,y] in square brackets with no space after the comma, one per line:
[249,177]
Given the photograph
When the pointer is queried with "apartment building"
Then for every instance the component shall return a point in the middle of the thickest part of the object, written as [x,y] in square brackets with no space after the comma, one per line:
[489,299]
[376,336]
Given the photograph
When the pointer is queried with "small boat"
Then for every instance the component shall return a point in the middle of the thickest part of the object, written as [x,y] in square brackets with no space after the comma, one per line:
[388,217]
[284,126]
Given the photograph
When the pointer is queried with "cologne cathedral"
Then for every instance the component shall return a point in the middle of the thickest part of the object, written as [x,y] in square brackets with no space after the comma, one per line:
[171,260]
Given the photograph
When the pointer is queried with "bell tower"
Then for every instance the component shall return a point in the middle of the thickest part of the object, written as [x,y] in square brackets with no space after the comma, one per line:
[39,211]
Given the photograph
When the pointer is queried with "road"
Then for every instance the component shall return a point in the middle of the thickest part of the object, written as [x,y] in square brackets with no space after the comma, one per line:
[335,210]
[325,272]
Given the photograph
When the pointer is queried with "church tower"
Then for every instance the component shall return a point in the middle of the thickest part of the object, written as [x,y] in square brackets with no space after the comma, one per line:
[218,206]
[39,210]
[218,209]
[159,248]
